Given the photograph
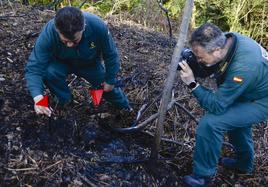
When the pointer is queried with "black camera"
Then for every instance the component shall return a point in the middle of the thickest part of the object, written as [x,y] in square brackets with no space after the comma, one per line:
[189,57]
[198,69]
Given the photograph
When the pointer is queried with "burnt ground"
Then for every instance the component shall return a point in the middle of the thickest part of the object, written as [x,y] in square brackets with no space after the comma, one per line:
[77,148]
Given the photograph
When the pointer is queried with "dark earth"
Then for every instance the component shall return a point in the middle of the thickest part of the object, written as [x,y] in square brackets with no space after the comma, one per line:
[77,146]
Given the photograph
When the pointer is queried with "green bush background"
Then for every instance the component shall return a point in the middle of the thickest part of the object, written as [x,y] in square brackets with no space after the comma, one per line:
[245,16]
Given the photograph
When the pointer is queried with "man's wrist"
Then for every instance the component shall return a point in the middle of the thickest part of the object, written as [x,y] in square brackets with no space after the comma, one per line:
[38,98]
[193,85]
[197,84]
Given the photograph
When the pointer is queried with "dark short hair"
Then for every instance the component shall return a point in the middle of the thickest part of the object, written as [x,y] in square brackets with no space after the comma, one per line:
[69,20]
[208,36]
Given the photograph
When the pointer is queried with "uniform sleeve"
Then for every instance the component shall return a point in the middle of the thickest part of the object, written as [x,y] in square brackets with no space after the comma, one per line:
[37,64]
[110,56]
[227,93]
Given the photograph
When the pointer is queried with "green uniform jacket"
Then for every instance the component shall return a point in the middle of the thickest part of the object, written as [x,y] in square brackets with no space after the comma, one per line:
[245,79]
[96,44]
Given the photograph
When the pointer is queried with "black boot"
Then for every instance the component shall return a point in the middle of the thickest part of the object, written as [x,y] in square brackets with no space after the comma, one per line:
[231,163]
[196,180]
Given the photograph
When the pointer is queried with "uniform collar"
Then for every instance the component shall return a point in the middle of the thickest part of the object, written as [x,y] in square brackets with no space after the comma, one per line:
[88,30]
[225,63]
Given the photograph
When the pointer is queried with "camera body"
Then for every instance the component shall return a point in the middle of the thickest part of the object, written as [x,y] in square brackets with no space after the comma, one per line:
[188,56]
[198,69]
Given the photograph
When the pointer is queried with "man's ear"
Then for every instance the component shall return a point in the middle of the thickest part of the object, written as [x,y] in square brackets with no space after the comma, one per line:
[217,52]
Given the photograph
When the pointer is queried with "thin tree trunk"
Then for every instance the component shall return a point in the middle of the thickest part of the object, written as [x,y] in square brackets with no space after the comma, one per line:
[171,77]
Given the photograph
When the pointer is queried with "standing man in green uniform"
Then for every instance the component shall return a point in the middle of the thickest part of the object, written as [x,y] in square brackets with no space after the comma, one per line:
[74,42]
[240,66]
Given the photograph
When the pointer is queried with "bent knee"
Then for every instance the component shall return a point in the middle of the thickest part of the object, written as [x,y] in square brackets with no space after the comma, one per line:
[208,126]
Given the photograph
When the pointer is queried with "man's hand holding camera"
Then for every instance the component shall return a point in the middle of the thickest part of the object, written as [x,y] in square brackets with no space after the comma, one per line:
[186,73]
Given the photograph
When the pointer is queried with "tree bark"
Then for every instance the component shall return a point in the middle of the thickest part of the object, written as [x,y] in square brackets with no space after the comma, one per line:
[187,12]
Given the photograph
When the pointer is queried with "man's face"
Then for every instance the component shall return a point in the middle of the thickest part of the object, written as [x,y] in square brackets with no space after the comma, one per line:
[208,59]
[74,42]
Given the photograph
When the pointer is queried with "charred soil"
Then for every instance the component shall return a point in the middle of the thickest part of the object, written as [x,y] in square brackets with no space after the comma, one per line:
[75,147]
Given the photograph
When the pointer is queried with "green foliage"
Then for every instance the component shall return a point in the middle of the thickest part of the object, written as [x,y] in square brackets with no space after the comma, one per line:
[104,6]
[245,16]
[115,6]
[250,18]
[148,13]
[124,5]
[40,2]
[174,7]
[210,11]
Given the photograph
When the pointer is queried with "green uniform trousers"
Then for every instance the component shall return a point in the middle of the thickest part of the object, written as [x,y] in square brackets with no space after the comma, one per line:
[236,122]
[57,73]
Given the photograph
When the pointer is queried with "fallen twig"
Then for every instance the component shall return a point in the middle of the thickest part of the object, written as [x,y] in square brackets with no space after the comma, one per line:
[86,180]
[134,161]
[142,125]
[21,169]
[186,111]
[148,106]
[50,166]
[169,140]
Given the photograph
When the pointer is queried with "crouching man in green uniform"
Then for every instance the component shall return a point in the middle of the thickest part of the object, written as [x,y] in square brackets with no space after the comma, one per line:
[74,42]
[240,66]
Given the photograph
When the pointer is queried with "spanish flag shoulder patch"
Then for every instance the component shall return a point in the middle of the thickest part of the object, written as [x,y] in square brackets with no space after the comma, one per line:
[238,79]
